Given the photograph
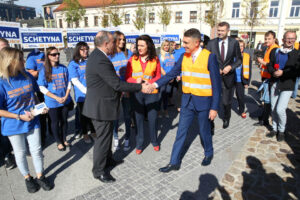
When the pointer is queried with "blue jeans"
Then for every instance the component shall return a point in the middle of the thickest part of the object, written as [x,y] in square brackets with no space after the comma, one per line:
[145,103]
[279,103]
[295,92]
[126,111]
[165,92]
[187,115]
[18,143]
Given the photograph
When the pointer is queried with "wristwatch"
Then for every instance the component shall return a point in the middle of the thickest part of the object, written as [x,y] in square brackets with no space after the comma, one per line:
[18,117]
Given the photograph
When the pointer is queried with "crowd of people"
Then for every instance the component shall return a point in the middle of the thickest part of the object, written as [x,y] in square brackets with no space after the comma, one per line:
[142,82]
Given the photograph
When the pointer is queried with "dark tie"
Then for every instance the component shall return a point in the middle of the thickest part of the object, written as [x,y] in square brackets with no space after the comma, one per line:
[222,51]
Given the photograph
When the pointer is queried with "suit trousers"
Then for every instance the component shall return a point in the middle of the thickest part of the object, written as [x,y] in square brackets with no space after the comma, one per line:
[187,114]
[102,147]
[227,95]
[151,103]
[240,95]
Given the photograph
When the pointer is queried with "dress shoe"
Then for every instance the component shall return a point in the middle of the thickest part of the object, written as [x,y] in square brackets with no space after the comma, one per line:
[207,160]
[225,123]
[169,168]
[280,136]
[272,133]
[106,178]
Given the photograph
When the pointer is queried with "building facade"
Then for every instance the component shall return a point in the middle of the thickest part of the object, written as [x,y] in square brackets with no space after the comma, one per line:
[12,13]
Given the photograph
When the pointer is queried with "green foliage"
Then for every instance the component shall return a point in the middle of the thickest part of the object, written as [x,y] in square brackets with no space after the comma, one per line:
[115,13]
[214,13]
[140,18]
[74,11]
[165,15]
[104,20]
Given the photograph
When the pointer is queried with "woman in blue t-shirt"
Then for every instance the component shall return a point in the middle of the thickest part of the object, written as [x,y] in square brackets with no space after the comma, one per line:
[76,70]
[167,62]
[120,60]
[17,98]
[55,84]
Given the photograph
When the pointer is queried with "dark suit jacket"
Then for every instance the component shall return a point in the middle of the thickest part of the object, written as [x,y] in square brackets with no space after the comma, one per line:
[233,58]
[200,103]
[104,88]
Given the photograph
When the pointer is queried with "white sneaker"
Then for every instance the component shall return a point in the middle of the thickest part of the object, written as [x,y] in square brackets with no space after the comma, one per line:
[126,145]
[116,144]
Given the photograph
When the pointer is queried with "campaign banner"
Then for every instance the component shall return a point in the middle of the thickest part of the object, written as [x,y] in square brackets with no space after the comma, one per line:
[10,31]
[131,38]
[41,38]
[156,39]
[81,35]
[170,37]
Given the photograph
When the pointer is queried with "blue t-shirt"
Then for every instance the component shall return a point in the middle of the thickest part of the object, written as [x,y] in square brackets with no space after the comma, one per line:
[16,97]
[35,60]
[119,61]
[168,62]
[58,85]
[281,59]
[238,74]
[177,53]
[77,70]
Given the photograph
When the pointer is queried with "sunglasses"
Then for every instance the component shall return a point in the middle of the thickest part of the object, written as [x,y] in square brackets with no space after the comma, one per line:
[54,54]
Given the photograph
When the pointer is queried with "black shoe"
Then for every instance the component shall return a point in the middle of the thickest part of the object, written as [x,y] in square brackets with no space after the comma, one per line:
[106,178]
[271,134]
[280,136]
[207,160]
[44,183]
[31,185]
[169,168]
[259,123]
[225,123]
[10,162]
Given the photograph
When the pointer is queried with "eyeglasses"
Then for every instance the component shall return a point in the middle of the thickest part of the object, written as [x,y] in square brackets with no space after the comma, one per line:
[54,54]
[290,39]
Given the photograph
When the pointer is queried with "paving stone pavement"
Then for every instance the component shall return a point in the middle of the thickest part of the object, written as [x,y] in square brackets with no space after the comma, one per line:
[138,177]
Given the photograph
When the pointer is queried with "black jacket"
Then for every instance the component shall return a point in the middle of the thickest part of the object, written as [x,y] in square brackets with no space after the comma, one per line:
[290,71]
[104,88]
[233,58]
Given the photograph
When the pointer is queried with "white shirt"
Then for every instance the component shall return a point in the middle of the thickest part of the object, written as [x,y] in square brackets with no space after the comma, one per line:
[225,46]
[196,54]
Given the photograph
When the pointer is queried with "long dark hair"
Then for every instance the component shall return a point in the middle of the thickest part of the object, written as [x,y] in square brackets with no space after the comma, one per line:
[77,57]
[48,66]
[150,47]
[117,35]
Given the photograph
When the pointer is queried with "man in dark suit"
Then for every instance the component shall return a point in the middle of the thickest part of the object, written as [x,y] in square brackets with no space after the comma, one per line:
[201,87]
[229,58]
[102,102]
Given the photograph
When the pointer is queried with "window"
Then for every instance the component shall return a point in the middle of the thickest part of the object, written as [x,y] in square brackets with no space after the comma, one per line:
[178,17]
[127,18]
[151,18]
[60,23]
[295,9]
[273,9]
[96,21]
[193,16]
[69,25]
[77,24]
[86,21]
[235,10]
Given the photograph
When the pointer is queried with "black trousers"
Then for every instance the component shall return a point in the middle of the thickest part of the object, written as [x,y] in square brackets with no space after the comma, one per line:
[240,95]
[227,95]
[85,122]
[102,147]
[43,121]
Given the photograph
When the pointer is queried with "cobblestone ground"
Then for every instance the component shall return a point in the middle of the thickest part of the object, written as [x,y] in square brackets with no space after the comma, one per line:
[266,169]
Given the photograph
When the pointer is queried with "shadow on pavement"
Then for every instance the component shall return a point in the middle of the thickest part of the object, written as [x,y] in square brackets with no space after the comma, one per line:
[207,184]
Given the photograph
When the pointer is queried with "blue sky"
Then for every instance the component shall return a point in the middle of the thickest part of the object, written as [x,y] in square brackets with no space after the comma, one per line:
[37,4]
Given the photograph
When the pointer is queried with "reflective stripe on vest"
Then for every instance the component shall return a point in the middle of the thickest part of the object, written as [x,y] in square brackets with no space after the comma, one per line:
[195,76]
[246,64]
[137,70]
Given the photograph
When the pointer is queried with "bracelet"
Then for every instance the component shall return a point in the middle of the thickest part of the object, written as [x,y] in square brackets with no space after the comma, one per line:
[18,117]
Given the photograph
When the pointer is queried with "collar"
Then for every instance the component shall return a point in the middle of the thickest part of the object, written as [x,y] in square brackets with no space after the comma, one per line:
[286,50]
[102,51]
[225,41]
[196,54]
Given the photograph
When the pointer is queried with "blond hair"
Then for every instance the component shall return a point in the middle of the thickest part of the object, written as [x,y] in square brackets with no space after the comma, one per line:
[162,52]
[11,63]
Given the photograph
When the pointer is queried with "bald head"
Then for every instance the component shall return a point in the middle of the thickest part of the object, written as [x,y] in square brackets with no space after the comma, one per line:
[105,41]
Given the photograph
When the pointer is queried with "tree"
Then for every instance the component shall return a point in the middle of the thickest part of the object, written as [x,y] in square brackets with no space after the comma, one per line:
[254,11]
[104,20]
[74,11]
[164,15]
[214,14]
[140,18]
[115,13]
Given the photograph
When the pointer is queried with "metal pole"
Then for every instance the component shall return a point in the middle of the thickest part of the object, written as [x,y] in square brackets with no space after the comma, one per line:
[283,7]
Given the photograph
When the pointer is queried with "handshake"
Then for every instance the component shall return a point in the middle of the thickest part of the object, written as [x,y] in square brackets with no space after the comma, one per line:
[148,88]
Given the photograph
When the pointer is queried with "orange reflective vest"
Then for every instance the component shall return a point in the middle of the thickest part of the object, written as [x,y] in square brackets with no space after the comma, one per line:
[137,70]
[195,76]
[246,65]
[296,45]
[264,70]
